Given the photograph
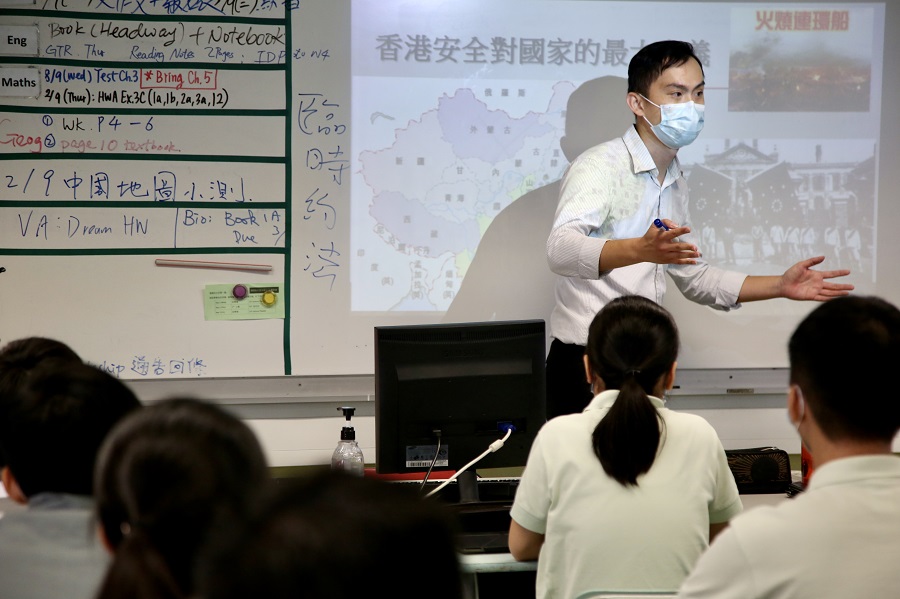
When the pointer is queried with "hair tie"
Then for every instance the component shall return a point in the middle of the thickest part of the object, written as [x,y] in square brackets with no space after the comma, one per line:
[633,373]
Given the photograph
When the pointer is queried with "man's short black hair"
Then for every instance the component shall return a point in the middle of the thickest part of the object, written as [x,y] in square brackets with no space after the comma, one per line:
[53,424]
[20,356]
[843,357]
[649,63]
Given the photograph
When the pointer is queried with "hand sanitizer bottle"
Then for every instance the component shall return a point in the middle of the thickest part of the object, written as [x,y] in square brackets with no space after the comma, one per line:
[347,455]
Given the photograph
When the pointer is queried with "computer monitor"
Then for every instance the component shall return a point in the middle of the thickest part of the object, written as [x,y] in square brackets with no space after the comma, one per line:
[462,384]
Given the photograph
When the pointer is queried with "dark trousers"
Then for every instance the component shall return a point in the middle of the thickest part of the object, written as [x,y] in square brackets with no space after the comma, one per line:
[568,391]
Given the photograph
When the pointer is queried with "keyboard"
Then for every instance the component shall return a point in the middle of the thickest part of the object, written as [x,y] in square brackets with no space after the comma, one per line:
[483,525]
[483,542]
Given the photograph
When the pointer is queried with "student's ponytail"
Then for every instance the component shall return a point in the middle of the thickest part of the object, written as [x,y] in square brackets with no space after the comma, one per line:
[139,571]
[632,343]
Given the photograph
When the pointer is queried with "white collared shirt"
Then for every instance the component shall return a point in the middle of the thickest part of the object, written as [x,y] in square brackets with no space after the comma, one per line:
[837,539]
[602,535]
[50,548]
[612,191]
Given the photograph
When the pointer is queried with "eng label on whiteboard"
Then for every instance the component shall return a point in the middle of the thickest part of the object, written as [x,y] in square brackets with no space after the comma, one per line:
[19,40]
[19,82]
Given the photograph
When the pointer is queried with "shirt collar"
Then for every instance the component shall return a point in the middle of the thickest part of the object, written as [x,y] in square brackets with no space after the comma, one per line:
[605,399]
[641,160]
[855,469]
[59,501]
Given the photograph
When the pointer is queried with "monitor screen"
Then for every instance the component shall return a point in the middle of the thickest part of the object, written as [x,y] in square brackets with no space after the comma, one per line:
[462,384]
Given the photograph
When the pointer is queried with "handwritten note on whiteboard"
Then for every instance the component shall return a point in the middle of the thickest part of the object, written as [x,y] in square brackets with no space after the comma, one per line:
[136,131]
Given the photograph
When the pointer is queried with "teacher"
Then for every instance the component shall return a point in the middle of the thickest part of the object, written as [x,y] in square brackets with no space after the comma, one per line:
[603,242]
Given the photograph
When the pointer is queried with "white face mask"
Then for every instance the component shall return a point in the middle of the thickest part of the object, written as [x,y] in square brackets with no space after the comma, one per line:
[679,124]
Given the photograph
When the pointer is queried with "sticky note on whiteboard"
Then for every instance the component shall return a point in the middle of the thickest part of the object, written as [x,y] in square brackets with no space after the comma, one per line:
[250,301]
[19,40]
[20,82]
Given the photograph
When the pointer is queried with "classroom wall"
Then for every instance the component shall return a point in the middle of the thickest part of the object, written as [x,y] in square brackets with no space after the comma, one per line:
[298,419]
[310,441]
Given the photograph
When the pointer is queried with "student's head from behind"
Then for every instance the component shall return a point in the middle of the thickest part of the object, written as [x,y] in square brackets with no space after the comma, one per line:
[52,426]
[632,347]
[841,356]
[632,342]
[166,476]
[329,535]
[20,356]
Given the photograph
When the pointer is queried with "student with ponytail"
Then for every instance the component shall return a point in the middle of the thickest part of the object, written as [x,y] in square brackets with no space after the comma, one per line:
[166,478]
[626,495]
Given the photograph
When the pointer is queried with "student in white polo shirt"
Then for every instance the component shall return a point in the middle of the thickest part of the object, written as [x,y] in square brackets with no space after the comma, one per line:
[841,537]
[627,494]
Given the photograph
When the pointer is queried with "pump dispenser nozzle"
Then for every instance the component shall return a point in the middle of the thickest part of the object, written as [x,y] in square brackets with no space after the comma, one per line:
[348,433]
[348,456]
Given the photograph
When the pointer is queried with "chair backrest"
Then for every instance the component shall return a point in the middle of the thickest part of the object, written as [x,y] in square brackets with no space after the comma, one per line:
[627,594]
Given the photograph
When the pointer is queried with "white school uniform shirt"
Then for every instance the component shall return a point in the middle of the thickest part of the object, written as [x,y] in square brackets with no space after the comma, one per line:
[840,538]
[612,191]
[51,549]
[601,535]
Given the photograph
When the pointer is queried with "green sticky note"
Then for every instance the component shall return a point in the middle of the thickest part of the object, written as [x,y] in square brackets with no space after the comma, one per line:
[243,301]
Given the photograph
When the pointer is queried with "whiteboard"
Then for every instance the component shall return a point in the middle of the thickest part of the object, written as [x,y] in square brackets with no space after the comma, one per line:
[152,132]
[394,163]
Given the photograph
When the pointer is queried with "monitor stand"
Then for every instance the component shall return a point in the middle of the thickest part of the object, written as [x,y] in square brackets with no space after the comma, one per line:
[471,490]
[484,525]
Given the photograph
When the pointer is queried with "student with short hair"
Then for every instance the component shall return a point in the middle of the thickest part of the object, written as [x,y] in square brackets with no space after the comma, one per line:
[841,537]
[166,478]
[51,428]
[20,356]
[626,495]
[329,535]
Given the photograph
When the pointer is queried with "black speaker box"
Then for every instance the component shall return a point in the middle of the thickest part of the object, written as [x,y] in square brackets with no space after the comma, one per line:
[760,469]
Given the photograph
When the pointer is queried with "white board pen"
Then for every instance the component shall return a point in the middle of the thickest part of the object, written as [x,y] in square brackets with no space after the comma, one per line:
[211,264]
